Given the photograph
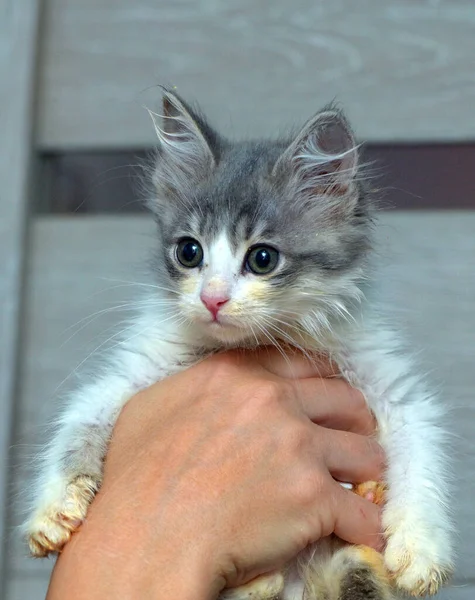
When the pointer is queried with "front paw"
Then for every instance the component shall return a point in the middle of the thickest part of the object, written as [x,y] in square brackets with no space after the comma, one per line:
[419,561]
[265,587]
[51,526]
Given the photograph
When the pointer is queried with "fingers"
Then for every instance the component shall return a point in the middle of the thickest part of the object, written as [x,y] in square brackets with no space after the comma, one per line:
[356,520]
[294,365]
[334,404]
[351,457]
[327,400]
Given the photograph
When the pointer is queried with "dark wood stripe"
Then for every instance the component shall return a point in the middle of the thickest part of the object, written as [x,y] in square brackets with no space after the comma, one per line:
[403,177]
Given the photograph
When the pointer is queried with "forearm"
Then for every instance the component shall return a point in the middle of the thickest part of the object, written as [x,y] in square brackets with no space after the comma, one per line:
[104,562]
[78,579]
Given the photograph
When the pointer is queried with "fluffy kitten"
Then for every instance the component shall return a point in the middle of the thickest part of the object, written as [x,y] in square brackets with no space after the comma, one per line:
[260,242]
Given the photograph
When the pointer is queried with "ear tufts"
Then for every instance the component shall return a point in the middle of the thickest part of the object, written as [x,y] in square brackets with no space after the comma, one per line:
[187,149]
[323,157]
[178,116]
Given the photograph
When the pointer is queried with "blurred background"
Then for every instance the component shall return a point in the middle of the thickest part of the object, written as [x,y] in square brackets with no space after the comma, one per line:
[74,239]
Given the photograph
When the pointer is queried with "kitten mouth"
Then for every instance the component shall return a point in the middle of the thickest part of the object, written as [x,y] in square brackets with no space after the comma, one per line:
[221,325]
[226,333]
[216,323]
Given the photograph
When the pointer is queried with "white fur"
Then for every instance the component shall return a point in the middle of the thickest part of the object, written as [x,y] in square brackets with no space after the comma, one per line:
[411,430]
[410,419]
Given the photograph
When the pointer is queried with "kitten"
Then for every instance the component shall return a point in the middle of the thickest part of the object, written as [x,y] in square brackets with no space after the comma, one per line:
[265,242]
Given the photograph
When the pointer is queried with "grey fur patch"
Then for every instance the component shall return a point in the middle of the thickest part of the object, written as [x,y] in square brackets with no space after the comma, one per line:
[241,197]
[293,194]
[361,584]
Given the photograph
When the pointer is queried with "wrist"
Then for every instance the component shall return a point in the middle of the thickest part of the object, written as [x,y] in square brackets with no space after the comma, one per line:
[103,563]
[188,574]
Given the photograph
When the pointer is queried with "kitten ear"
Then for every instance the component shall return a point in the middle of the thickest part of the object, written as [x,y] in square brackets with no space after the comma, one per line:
[186,152]
[323,158]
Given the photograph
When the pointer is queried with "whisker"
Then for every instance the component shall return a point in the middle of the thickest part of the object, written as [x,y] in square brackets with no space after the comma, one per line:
[253,333]
[141,284]
[125,306]
[129,306]
[101,345]
[292,341]
[274,343]
[105,342]
[142,331]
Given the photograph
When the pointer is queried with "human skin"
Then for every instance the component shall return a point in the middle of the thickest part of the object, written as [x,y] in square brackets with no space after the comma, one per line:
[221,473]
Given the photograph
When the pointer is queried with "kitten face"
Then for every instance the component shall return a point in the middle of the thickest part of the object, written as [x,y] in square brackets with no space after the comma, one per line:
[227,300]
[259,240]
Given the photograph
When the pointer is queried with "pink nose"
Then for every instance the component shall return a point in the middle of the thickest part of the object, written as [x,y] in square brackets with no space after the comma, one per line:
[213,303]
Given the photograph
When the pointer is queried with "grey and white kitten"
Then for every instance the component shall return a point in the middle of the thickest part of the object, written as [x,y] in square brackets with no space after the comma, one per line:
[266,242]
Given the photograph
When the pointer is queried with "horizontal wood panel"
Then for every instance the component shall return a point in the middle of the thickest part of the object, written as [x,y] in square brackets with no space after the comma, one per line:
[405,177]
[403,70]
[81,265]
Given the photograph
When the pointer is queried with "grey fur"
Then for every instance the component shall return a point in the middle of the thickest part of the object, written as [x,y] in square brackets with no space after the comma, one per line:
[362,584]
[266,184]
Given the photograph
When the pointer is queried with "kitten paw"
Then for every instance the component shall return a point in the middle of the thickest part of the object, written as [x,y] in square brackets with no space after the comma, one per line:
[416,567]
[265,587]
[51,528]
[373,491]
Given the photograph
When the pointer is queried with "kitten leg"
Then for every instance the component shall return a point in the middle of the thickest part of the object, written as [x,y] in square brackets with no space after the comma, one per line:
[72,465]
[338,571]
[416,516]
[351,573]
[49,529]
[73,462]
[265,587]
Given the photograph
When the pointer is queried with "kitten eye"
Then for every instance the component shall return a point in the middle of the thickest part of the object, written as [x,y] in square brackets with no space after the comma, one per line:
[262,260]
[189,253]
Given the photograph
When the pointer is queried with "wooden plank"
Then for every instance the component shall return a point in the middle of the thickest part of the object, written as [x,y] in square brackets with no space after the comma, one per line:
[404,70]
[427,274]
[411,177]
[18,36]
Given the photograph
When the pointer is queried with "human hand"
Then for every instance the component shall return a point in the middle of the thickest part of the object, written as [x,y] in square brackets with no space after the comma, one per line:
[221,473]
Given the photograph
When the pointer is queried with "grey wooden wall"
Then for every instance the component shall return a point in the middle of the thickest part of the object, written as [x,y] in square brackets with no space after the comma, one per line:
[404,71]
[403,68]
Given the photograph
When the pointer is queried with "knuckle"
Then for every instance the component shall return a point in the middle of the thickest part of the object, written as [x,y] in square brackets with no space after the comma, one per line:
[298,439]
[307,489]
[267,391]
[259,400]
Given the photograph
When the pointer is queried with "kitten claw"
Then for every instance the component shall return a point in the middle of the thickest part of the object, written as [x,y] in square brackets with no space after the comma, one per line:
[372,491]
[415,572]
[51,528]
[410,581]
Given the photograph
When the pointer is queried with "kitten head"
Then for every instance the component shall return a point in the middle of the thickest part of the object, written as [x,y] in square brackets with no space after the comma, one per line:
[259,239]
